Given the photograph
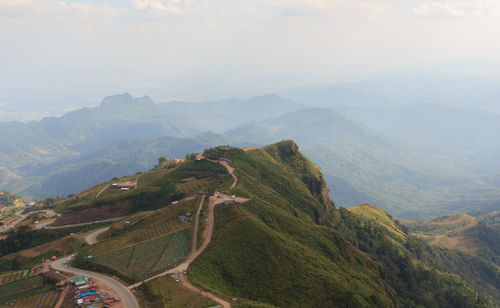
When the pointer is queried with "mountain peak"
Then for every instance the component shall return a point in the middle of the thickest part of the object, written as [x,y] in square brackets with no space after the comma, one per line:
[124,98]
[285,149]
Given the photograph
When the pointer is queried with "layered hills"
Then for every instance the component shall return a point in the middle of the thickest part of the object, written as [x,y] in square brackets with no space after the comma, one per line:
[274,238]
[375,155]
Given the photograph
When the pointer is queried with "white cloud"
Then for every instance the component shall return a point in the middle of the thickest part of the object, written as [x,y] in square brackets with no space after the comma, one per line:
[438,8]
[14,2]
[457,8]
[84,40]
[156,5]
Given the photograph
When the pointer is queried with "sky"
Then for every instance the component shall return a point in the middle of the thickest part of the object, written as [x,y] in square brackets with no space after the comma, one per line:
[56,55]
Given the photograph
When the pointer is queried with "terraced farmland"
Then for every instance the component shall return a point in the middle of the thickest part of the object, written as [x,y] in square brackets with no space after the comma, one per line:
[17,288]
[145,227]
[42,299]
[12,276]
[147,258]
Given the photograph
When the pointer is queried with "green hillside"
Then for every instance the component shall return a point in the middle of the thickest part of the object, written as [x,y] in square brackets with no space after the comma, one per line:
[39,158]
[287,246]
[365,166]
[290,247]
[474,235]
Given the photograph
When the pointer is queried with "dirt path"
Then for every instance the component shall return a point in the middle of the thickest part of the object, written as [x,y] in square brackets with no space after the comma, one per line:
[61,298]
[249,148]
[194,253]
[231,172]
[185,283]
[225,164]
[102,190]
[194,246]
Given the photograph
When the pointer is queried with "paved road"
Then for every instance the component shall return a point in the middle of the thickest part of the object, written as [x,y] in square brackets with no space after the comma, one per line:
[23,217]
[91,239]
[86,223]
[125,295]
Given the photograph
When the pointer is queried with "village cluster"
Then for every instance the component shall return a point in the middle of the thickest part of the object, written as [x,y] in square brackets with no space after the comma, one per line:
[87,294]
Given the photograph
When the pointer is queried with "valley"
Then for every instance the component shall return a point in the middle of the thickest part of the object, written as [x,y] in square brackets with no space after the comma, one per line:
[357,147]
[222,220]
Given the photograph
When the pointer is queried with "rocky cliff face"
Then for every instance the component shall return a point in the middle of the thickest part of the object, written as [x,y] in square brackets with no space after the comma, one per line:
[288,152]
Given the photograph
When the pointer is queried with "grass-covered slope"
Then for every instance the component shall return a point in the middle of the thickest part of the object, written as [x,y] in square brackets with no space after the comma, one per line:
[271,250]
[155,189]
[290,247]
[413,266]
[473,235]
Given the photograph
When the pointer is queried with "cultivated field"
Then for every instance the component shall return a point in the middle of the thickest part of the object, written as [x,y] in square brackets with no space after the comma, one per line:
[16,288]
[43,299]
[12,276]
[145,226]
[147,258]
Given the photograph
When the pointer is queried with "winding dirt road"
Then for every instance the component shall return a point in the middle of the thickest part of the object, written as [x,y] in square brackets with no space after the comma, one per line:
[231,172]
[194,253]
[124,292]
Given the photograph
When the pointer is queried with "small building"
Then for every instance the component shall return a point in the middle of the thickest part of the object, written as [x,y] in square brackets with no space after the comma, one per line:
[78,281]
[182,218]
[53,258]
[60,285]
[55,277]
[125,188]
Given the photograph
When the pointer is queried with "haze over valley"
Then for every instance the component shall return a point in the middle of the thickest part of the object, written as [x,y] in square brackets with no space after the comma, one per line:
[253,154]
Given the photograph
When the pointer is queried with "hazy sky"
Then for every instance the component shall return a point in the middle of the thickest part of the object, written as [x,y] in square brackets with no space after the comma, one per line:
[193,49]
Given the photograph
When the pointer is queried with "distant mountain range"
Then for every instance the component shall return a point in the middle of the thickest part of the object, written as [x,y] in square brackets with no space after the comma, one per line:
[413,161]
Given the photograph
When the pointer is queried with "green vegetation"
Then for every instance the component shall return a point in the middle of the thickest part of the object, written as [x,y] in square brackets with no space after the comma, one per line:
[157,189]
[8,199]
[371,212]
[44,298]
[475,254]
[12,289]
[12,276]
[289,247]
[418,272]
[270,250]
[216,153]
[23,238]
[144,259]
[165,292]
